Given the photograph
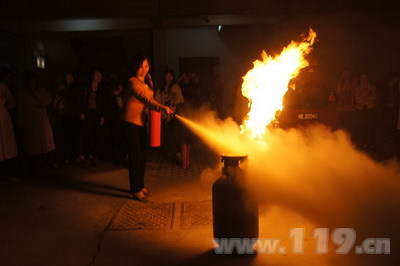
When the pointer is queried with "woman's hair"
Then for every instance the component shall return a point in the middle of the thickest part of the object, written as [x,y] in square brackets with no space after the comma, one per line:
[137,62]
[172,82]
[92,71]
[65,73]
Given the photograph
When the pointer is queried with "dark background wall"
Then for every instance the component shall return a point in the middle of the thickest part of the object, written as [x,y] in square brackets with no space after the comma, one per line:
[360,35]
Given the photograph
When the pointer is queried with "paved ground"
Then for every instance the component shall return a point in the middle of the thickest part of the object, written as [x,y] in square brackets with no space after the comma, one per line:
[77,216]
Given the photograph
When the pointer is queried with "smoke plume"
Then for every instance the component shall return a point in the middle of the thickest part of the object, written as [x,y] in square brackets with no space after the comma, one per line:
[315,172]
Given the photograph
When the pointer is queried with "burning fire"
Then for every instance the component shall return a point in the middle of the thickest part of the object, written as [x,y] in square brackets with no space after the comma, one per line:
[266,84]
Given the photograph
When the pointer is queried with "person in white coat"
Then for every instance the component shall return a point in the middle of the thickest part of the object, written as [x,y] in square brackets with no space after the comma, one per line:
[33,120]
[8,144]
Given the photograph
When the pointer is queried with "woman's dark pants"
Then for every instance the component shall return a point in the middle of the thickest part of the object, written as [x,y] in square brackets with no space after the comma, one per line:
[136,140]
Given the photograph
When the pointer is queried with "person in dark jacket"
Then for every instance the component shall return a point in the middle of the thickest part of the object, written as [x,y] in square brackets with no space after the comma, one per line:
[92,116]
[65,106]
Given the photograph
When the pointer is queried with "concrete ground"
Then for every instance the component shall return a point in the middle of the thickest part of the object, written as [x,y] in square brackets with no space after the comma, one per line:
[78,216]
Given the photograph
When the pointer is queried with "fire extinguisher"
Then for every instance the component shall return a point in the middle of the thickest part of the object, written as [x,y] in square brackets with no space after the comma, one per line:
[235,211]
[185,155]
[155,128]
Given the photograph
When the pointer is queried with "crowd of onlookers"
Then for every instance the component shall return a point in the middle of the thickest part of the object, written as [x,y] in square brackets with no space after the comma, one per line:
[79,122]
[368,111]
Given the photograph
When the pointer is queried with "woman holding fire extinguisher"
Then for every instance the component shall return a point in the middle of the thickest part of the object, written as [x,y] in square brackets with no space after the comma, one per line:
[138,99]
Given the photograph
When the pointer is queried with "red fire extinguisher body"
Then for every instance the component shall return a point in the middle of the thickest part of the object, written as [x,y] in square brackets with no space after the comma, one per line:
[155,128]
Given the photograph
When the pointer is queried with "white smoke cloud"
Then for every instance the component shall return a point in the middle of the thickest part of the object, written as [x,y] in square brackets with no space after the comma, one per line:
[315,172]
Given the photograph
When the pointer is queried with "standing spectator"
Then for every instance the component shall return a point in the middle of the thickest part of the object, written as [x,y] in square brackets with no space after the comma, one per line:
[65,118]
[7,77]
[8,144]
[34,122]
[189,83]
[93,118]
[170,94]
[365,96]
[392,113]
[112,109]
[137,100]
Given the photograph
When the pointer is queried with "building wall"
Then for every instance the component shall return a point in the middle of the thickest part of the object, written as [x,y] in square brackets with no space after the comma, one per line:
[372,48]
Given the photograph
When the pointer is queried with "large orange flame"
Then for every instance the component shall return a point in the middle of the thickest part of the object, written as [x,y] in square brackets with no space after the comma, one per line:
[266,84]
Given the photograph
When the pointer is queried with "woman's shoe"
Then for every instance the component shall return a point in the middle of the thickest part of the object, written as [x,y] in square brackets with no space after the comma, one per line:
[140,196]
[146,192]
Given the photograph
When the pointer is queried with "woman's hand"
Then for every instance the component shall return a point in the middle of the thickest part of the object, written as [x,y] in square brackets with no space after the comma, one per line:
[167,110]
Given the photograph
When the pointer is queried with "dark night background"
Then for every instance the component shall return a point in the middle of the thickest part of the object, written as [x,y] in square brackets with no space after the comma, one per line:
[78,35]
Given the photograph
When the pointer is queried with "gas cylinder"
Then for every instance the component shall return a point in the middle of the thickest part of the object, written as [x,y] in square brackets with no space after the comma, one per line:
[155,128]
[235,212]
[185,155]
